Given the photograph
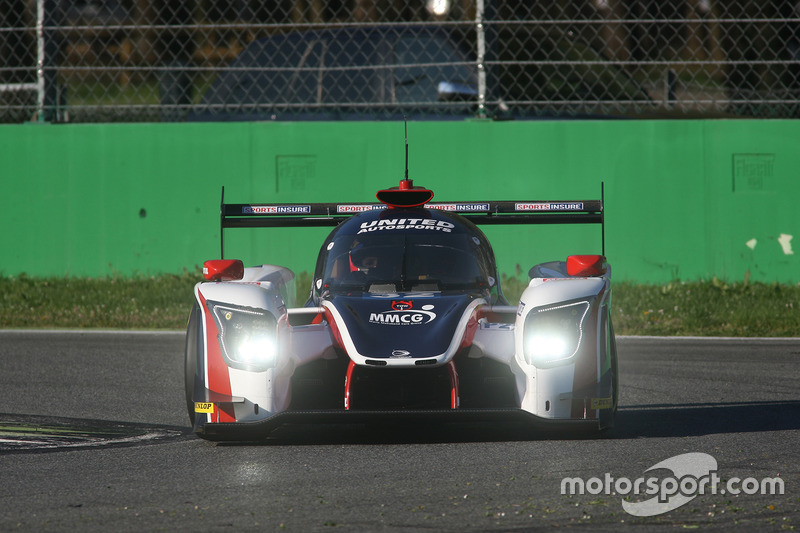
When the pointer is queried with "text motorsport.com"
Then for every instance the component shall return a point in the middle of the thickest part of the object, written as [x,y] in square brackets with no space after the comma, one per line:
[693,474]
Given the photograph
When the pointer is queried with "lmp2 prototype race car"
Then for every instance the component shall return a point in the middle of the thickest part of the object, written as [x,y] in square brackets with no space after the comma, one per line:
[405,320]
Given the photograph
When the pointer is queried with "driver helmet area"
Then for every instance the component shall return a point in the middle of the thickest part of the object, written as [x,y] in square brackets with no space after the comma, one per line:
[403,251]
[374,260]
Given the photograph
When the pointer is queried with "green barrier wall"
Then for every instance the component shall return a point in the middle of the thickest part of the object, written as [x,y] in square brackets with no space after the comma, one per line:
[684,199]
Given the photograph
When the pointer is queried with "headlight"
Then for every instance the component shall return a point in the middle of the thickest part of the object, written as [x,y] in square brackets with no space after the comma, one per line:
[246,335]
[553,334]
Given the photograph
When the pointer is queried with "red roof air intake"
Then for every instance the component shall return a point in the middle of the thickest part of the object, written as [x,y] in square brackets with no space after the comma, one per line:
[405,195]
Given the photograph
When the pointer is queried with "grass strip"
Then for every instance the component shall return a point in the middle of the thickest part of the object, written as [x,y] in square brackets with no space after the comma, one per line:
[707,308]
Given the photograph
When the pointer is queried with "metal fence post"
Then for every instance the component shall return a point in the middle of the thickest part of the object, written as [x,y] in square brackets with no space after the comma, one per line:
[40,87]
[481,53]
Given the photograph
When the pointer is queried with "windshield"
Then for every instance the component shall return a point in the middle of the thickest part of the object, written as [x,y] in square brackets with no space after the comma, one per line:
[405,262]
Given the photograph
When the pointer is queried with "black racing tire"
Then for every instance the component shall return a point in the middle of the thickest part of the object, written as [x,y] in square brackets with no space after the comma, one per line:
[191,355]
[608,421]
[615,369]
[614,375]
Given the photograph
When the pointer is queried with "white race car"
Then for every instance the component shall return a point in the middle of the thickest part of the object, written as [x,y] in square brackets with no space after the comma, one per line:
[405,320]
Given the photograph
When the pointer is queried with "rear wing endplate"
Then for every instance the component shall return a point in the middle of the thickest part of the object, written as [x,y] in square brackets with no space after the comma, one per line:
[483,212]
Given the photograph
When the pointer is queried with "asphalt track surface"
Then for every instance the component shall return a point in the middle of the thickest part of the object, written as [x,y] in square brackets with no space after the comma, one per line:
[94,437]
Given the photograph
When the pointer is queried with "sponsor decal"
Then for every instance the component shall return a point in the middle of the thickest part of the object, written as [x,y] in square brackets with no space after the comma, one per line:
[203,407]
[601,403]
[549,206]
[391,295]
[358,208]
[276,209]
[464,208]
[390,224]
[402,313]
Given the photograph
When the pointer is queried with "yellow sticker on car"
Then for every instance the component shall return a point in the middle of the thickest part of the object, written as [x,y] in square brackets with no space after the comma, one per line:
[602,403]
[203,407]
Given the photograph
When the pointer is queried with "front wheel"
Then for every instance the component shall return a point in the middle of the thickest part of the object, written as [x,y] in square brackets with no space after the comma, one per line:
[608,416]
[191,354]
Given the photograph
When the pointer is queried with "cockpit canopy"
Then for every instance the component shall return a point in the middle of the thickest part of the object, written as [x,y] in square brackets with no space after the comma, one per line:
[394,250]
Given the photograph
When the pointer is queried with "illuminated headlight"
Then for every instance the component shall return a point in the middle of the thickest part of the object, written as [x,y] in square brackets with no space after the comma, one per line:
[553,334]
[246,336]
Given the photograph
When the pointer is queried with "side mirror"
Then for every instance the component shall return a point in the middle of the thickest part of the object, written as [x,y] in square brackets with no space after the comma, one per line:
[223,270]
[586,265]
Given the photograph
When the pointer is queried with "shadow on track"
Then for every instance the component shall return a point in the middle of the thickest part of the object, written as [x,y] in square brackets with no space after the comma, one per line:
[694,419]
[635,421]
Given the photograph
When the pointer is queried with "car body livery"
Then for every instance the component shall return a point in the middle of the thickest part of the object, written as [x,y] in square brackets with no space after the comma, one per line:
[405,319]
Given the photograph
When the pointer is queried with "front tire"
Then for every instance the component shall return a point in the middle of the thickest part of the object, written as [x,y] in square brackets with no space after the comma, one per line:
[191,355]
[608,418]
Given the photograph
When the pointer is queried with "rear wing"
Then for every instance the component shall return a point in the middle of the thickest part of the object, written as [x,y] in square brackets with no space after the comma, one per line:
[483,212]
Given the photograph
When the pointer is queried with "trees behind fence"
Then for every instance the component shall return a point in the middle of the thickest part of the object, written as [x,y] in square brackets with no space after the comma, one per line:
[137,60]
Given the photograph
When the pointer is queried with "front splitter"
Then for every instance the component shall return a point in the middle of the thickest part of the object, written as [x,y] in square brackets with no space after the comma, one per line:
[261,429]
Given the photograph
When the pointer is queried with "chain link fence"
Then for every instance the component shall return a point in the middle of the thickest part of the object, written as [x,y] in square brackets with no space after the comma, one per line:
[167,60]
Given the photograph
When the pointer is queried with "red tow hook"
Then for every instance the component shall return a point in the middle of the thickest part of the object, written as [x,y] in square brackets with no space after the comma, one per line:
[347,380]
[454,400]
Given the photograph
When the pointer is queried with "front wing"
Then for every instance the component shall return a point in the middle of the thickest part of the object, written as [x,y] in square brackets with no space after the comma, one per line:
[261,429]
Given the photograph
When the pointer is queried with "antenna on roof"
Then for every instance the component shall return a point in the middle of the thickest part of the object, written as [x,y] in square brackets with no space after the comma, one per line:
[405,125]
[405,194]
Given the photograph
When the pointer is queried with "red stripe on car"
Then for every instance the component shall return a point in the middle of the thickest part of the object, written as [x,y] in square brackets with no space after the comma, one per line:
[219,379]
